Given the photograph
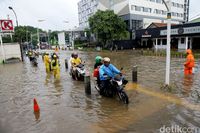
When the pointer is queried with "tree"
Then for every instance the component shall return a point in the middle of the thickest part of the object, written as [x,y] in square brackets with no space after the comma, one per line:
[107,26]
[53,37]
[23,34]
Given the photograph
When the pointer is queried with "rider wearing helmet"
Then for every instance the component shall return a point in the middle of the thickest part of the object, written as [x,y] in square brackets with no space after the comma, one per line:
[109,70]
[98,62]
[75,60]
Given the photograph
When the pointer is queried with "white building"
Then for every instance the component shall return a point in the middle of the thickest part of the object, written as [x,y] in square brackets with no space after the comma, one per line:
[136,13]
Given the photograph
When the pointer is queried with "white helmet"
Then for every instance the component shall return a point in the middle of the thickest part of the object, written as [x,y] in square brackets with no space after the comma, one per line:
[106,59]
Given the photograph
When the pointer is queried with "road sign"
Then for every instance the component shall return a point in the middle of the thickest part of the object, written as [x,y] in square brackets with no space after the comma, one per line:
[6,26]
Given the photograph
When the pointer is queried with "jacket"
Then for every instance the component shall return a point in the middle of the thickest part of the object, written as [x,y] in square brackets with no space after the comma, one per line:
[111,71]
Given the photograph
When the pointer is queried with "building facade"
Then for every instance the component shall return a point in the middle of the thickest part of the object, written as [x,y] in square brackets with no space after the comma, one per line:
[183,36]
[136,13]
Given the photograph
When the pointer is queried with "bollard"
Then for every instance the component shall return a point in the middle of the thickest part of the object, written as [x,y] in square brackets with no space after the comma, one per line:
[134,74]
[66,63]
[87,85]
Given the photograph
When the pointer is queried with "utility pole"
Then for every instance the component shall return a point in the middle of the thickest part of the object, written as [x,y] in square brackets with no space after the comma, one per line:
[167,74]
[20,42]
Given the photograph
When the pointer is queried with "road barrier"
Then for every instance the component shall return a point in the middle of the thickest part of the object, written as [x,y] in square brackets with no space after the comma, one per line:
[87,84]
[134,74]
[66,63]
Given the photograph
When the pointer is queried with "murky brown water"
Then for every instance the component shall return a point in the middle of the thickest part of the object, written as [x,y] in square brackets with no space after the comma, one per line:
[65,107]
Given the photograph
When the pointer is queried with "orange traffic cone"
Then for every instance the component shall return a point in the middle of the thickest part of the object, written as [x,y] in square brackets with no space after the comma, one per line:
[36,106]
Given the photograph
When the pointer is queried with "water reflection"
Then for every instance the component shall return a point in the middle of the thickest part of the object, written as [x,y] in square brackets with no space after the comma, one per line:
[37,115]
[57,85]
[65,107]
[47,79]
[187,84]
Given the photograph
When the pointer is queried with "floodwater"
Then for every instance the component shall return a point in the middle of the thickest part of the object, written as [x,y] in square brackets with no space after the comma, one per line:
[65,108]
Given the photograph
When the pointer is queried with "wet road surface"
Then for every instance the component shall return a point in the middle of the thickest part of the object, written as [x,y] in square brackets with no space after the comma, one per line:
[65,107]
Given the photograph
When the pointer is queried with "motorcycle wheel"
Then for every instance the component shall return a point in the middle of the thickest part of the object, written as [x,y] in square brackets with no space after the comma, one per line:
[73,76]
[123,96]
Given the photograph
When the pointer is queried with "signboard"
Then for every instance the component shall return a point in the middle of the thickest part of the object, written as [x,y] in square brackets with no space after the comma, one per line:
[61,38]
[178,31]
[146,34]
[6,26]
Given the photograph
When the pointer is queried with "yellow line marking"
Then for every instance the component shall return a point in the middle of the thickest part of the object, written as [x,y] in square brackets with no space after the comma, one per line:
[165,96]
[115,122]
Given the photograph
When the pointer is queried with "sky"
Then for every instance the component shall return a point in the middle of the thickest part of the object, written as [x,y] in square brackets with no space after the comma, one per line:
[54,12]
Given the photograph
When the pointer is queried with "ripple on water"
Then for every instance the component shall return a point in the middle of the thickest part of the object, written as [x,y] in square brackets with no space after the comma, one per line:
[65,107]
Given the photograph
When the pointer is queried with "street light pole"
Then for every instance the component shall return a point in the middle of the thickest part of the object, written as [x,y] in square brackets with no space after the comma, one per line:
[14,14]
[38,34]
[167,75]
[38,40]
[20,43]
[66,23]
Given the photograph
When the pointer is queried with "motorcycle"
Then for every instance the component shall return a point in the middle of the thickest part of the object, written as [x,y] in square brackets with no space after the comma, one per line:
[34,61]
[78,73]
[115,87]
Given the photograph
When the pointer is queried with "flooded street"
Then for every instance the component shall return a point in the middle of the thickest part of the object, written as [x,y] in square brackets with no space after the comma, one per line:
[64,106]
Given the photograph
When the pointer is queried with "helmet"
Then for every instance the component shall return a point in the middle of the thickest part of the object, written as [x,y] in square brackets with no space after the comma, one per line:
[106,59]
[72,55]
[54,56]
[98,59]
[75,54]
[188,51]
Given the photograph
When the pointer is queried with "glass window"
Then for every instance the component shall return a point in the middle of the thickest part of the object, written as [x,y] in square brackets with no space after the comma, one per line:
[181,5]
[182,40]
[137,8]
[164,42]
[157,11]
[132,7]
[164,12]
[158,1]
[145,9]
[159,42]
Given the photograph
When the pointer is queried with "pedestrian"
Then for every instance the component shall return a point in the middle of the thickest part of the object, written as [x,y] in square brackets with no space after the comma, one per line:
[47,62]
[55,67]
[189,64]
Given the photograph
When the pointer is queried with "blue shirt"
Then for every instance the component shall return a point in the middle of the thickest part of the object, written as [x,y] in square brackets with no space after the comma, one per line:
[111,71]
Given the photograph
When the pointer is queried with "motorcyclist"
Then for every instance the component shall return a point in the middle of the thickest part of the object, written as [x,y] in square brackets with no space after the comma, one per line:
[75,62]
[107,71]
[55,66]
[30,55]
[98,63]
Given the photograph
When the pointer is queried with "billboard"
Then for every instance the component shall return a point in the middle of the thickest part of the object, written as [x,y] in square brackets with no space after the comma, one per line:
[61,38]
[6,26]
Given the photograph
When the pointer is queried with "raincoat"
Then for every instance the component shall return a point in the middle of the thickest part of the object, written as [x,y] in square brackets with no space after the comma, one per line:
[55,67]
[76,61]
[189,64]
[47,63]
